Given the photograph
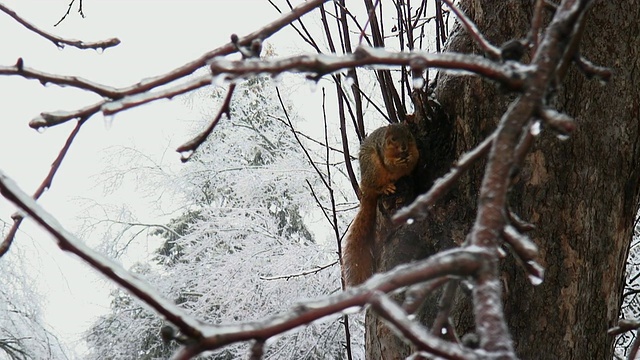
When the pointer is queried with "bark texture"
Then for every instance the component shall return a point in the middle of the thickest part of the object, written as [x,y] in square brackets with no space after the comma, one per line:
[581,193]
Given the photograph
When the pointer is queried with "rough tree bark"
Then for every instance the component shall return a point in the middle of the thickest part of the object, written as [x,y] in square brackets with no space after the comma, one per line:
[581,193]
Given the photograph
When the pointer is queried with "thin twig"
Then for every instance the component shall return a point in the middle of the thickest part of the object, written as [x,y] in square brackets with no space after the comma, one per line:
[416,294]
[590,69]
[187,149]
[442,320]
[56,40]
[69,10]
[420,206]
[472,29]
[45,184]
[315,270]
[68,242]
[304,149]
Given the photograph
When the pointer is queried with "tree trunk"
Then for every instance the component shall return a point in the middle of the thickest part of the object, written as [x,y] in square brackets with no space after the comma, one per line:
[582,193]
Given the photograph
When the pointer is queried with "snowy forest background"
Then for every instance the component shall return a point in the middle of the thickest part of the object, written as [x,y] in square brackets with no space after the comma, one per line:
[254,221]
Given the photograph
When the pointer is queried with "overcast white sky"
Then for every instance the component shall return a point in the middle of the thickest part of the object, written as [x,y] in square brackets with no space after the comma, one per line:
[156,36]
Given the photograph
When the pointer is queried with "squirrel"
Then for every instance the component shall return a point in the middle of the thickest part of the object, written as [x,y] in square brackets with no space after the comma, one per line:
[386,155]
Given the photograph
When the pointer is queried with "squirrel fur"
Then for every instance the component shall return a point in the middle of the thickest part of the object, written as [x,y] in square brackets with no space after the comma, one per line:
[386,155]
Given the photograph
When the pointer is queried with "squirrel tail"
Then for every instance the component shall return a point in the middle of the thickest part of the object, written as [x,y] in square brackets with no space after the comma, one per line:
[357,252]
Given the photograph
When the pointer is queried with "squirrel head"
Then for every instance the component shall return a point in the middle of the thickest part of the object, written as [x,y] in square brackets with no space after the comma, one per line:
[399,145]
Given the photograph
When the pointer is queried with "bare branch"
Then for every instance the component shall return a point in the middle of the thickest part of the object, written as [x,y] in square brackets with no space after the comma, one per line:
[472,29]
[58,41]
[69,10]
[46,184]
[187,149]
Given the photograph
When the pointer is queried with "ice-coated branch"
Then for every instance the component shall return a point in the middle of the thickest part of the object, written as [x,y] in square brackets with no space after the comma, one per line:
[59,117]
[187,149]
[131,101]
[455,262]
[45,184]
[45,78]
[491,220]
[417,293]
[442,320]
[58,41]
[319,65]
[47,119]
[417,334]
[592,70]
[68,242]
[420,206]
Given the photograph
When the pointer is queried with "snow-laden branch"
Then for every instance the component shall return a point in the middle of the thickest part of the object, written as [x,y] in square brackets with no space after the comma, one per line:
[509,74]
[56,40]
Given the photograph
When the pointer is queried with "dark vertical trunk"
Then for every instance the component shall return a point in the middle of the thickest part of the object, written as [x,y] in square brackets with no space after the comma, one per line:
[581,193]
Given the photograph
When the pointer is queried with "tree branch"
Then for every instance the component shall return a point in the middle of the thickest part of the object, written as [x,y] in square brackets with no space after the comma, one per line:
[510,75]
[420,206]
[187,149]
[472,29]
[68,242]
[46,184]
[58,41]
[458,262]
[417,334]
